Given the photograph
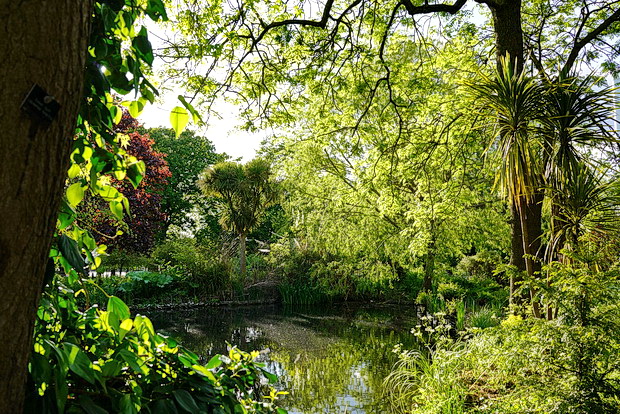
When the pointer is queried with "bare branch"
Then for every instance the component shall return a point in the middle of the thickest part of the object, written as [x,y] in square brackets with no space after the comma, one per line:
[433,8]
[580,44]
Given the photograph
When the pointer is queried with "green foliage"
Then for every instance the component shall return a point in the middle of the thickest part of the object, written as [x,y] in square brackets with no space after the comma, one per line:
[119,260]
[484,317]
[200,269]
[187,156]
[245,191]
[106,361]
[566,365]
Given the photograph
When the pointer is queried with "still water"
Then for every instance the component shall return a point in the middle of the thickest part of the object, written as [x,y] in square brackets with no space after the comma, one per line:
[331,358]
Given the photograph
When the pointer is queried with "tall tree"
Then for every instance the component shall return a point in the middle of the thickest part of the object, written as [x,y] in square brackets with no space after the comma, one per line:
[187,156]
[246,191]
[321,40]
[45,44]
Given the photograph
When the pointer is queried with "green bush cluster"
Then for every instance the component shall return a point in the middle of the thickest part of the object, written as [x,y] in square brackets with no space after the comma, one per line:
[99,361]
[567,364]
[181,270]
[306,275]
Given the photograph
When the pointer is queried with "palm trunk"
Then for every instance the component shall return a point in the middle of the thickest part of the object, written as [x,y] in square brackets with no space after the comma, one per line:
[516,258]
[530,217]
[242,258]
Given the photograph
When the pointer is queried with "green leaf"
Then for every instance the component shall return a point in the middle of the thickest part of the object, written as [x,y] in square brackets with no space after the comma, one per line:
[126,405]
[195,115]
[89,406]
[116,113]
[185,400]
[75,194]
[179,119]
[214,362]
[125,327]
[62,390]
[143,47]
[156,9]
[116,208]
[74,171]
[109,193]
[118,307]
[272,378]
[135,173]
[66,216]
[143,325]
[136,108]
[71,252]
[79,363]
[111,368]
[164,407]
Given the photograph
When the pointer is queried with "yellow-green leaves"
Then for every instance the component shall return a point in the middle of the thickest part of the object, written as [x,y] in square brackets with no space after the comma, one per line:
[179,119]
[75,194]
[118,307]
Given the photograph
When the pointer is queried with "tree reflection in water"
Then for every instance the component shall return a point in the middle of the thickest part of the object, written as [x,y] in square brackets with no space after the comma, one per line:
[332,359]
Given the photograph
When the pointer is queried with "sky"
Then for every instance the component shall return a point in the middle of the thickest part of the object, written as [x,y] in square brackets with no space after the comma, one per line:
[224,133]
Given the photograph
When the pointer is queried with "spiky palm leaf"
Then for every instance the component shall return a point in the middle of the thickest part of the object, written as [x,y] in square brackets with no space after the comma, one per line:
[587,203]
[576,116]
[517,102]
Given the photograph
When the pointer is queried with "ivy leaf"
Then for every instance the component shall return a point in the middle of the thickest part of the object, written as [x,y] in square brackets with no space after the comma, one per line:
[71,252]
[179,119]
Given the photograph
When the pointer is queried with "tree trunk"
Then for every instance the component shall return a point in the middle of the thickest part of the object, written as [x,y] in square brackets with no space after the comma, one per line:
[242,258]
[516,257]
[526,229]
[508,30]
[530,214]
[44,43]
[429,262]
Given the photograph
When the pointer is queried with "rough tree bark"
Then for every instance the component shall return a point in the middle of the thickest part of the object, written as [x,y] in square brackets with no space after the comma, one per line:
[43,43]
[509,40]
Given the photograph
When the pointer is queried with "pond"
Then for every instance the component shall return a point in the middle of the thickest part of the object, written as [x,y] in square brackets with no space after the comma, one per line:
[331,358]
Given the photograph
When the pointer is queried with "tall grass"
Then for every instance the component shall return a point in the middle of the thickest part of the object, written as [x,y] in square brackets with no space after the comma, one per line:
[420,382]
[299,294]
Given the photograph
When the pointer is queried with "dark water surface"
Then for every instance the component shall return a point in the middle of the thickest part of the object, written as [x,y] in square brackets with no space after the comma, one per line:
[331,358]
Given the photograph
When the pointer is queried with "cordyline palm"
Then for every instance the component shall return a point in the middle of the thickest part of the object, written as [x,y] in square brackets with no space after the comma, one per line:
[540,129]
[576,117]
[246,191]
[517,101]
[585,203]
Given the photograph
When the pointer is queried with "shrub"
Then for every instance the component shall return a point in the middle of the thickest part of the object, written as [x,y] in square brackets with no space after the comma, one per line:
[99,361]
[121,261]
[481,265]
[570,364]
[200,269]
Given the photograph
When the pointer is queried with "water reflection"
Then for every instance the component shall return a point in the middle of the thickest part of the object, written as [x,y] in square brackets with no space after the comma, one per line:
[332,359]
